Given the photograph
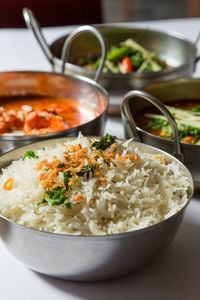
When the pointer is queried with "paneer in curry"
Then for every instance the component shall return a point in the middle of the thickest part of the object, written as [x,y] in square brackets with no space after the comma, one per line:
[41,115]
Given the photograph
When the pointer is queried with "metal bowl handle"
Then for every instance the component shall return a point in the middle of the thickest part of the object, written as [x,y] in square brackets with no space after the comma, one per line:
[197,58]
[33,25]
[126,113]
[71,38]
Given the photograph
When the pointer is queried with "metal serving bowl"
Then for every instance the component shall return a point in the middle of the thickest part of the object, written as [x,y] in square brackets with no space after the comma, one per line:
[88,258]
[81,89]
[178,52]
[166,92]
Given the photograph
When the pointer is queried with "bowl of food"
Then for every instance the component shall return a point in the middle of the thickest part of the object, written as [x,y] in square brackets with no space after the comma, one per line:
[147,123]
[37,105]
[42,105]
[136,57]
[90,208]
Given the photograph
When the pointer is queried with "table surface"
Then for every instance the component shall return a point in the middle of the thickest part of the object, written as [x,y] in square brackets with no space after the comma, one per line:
[174,276]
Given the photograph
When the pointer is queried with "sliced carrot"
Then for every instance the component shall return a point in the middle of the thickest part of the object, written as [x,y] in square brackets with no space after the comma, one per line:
[163,133]
[78,198]
[188,139]
[7,186]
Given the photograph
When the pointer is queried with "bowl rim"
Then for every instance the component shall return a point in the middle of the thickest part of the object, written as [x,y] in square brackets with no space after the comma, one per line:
[78,78]
[108,236]
[170,34]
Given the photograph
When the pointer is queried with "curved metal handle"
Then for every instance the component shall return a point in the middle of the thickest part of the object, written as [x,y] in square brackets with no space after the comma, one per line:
[198,57]
[126,112]
[33,25]
[71,38]
[197,38]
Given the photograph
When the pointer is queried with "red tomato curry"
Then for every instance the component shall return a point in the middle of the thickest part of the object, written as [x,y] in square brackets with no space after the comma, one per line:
[40,115]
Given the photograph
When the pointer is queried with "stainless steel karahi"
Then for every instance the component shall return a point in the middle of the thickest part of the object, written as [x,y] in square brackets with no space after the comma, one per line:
[79,88]
[178,52]
[88,258]
[135,101]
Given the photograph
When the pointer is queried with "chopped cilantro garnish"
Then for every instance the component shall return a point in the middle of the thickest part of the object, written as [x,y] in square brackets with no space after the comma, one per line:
[68,205]
[30,154]
[61,165]
[105,142]
[46,169]
[55,196]
[42,202]
[66,176]
[86,170]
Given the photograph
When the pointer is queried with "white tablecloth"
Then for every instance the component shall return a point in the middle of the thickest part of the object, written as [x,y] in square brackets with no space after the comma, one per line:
[175,276]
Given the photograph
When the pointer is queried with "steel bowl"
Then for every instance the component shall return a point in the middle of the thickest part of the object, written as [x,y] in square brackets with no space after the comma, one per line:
[88,258]
[83,90]
[50,84]
[166,92]
[178,52]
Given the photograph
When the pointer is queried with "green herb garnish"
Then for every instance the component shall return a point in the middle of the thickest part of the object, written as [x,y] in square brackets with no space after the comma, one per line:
[30,154]
[61,165]
[42,202]
[105,142]
[66,176]
[68,205]
[86,170]
[55,196]
[46,169]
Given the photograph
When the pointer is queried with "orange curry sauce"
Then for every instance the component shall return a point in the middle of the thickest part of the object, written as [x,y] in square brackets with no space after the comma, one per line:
[40,115]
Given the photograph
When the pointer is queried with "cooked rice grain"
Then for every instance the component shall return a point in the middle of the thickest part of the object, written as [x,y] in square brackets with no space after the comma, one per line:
[136,194]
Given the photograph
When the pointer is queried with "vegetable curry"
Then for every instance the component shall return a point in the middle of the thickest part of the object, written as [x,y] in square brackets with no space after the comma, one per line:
[41,115]
[186,114]
[128,56]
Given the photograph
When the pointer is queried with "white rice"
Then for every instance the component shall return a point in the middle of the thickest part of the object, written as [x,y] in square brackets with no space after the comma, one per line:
[137,194]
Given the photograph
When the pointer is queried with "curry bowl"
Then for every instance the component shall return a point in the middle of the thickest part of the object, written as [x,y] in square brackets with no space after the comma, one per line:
[171,93]
[179,54]
[41,105]
[26,87]
[93,257]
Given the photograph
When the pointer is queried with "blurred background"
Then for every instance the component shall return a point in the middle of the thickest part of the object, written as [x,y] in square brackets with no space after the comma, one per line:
[69,12]
[140,10]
